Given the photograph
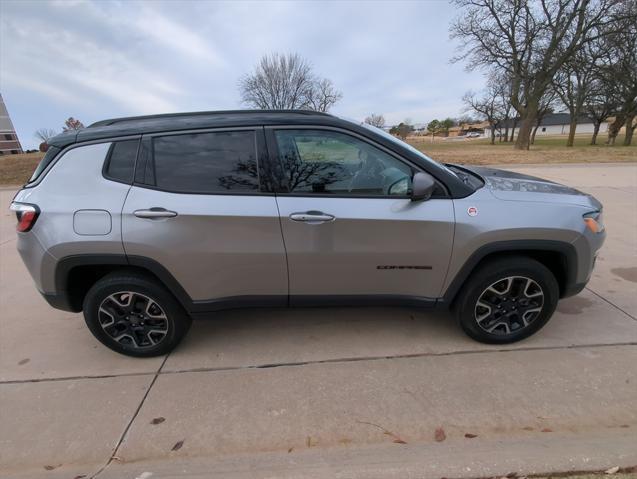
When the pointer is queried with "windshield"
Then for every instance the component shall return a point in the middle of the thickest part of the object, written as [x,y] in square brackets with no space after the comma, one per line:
[404,144]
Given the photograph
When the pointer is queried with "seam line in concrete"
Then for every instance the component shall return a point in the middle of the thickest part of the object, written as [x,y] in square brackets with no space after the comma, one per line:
[75,378]
[398,356]
[321,361]
[130,423]
[612,304]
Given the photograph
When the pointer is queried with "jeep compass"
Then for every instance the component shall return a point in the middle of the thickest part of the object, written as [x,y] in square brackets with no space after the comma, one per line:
[145,223]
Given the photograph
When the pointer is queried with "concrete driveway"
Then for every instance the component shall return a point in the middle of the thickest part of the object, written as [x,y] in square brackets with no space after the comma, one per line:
[334,392]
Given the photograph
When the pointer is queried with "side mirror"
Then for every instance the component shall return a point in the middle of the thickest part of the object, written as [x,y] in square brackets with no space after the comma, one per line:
[422,186]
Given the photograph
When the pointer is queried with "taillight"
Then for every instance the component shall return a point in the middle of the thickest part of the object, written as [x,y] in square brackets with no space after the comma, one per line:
[26,214]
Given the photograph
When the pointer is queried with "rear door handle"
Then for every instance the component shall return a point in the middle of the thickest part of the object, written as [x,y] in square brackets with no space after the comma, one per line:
[155,213]
[312,217]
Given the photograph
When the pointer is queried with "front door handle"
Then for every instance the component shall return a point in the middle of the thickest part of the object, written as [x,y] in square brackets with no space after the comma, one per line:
[312,217]
[155,213]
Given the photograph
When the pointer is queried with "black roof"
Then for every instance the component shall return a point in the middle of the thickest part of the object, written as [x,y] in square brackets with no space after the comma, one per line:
[563,119]
[205,114]
[135,125]
[122,127]
[550,119]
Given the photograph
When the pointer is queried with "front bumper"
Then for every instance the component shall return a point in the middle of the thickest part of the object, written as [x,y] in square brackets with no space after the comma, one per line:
[587,246]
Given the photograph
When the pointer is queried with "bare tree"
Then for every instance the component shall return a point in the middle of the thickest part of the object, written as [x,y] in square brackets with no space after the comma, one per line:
[547,105]
[530,42]
[488,105]
[44,134]
[403,129]
[622,67]
[375,120]
[322,95]
[72,124]
[573,83]
[467,119]
[603,99]
[287,82]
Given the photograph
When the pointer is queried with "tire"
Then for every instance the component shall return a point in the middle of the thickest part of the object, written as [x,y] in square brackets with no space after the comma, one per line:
[135,315]
[506,300]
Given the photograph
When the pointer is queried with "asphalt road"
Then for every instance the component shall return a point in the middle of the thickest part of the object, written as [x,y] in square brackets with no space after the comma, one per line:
[331,392]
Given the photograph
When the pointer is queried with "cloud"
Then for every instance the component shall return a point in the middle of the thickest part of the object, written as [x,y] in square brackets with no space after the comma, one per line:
[67,66]
[98,59]
[168,33]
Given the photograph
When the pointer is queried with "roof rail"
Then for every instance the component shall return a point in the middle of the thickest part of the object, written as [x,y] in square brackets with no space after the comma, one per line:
[113,121]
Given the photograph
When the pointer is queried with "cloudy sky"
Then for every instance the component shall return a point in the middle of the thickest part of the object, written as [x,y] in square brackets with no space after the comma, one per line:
[97,59]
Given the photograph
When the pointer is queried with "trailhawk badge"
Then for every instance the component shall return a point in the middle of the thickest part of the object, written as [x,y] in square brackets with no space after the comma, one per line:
[472,211]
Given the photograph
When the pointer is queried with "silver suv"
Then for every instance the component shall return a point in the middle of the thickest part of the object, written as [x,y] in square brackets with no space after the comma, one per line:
[145,223]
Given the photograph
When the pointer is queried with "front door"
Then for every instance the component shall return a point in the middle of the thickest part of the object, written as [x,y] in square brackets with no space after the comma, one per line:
[198,209]
[348,224]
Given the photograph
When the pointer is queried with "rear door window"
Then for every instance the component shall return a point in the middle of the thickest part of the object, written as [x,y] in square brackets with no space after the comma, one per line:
[211,162]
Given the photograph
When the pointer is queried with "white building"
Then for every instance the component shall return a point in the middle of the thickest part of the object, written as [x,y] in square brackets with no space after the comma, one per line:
[9,143]
[556,124]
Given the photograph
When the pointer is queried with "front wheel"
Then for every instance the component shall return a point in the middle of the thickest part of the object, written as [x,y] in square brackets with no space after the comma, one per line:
[134,315]
[507,300]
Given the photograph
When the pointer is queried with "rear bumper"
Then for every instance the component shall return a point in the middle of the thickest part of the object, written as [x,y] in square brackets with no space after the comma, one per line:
[60,300]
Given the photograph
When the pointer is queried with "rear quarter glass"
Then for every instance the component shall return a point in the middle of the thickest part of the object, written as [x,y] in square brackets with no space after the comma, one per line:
[51,153]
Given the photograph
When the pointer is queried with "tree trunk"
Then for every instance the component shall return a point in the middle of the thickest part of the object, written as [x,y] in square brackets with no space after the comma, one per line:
[596,125]
[506,131]
[614,127]
[628,139]
[571,131]
[515,123]
[527,121]
[493,135]
[534,132]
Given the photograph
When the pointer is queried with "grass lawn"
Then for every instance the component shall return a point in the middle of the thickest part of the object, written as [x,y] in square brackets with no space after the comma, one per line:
[16,169]
[545,150]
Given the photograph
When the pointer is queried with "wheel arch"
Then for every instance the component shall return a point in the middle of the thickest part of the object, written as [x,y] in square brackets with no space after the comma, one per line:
[558,256]
[75,275]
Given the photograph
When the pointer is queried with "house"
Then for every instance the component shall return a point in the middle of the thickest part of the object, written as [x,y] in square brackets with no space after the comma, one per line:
[559,124]
[481,128]
[9,143]
[555,124]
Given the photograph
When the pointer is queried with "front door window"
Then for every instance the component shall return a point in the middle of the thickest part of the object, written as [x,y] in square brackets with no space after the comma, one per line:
[331,163]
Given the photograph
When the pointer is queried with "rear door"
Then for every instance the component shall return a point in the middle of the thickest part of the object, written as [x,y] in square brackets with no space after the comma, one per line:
[349,227]
[199,209]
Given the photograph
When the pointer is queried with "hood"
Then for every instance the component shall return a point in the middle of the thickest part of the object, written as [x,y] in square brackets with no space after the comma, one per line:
[511,186]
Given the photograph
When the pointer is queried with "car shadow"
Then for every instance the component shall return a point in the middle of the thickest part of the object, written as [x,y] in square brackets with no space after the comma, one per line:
[261,337]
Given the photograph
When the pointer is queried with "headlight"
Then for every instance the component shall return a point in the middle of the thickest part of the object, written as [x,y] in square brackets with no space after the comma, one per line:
[594,221]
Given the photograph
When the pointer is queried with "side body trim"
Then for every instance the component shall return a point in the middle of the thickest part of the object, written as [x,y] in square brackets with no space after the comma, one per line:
[200,308]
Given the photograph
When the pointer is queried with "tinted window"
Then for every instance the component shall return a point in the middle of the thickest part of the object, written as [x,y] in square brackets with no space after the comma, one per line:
[121,162]
[44,162]
[206,162]
[327,162]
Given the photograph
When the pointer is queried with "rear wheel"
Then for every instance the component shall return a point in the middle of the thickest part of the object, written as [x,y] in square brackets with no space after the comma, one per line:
[507,300]
[134,315]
